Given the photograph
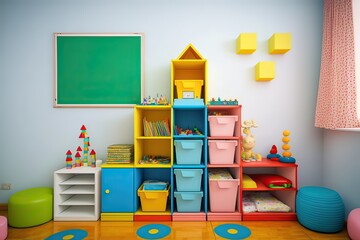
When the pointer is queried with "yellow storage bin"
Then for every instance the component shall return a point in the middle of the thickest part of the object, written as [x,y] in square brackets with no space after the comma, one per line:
[189,88]
[153,200]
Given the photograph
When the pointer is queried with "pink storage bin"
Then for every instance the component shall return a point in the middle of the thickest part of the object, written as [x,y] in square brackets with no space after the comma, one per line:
[223,194]
[222,125]
[222,151]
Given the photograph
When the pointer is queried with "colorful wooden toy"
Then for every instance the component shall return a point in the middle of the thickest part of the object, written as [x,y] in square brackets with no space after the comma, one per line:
[93,158]
[77,159]
[286,155]
[273,155]
[68,159]
[85,136]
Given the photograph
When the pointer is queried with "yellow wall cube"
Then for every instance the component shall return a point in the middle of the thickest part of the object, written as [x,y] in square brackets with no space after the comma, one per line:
[264,71]
[280,43]
[246,43]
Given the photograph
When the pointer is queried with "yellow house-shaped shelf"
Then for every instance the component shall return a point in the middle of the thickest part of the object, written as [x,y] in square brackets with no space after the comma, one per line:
[265,71]
[189,75]
[246,43]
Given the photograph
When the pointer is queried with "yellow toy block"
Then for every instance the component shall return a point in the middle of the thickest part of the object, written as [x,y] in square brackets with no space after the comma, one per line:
[265,71]
[280,43]
[246,43]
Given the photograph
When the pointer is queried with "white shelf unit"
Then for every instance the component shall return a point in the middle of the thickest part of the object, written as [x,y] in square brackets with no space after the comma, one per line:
[77,194]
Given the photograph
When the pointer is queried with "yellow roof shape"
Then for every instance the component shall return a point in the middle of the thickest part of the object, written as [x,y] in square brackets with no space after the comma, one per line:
[190,52]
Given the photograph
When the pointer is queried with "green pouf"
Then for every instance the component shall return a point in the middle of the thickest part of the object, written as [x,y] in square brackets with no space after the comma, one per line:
[30,207]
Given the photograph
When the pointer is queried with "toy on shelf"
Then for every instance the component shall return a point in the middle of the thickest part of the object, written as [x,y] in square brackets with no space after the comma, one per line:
[273,180]
[223,102]
[181,132]
[287,155]
[68,159]
[93,158]
[85,136]
[273,155]
[154,160]
[78,161]
[162,100]
[258,157]
[248,142]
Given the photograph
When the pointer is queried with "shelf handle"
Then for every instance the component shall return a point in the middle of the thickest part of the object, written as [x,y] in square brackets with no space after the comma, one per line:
[107,191]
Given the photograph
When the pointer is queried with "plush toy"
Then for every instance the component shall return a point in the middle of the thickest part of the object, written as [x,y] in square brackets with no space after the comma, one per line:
[248,142]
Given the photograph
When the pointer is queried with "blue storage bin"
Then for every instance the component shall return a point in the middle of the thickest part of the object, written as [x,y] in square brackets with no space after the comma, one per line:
[155,185]
[188,179]
[188,151]
[188,201]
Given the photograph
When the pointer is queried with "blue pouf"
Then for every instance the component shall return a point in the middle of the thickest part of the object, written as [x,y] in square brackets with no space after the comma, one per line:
[320,209]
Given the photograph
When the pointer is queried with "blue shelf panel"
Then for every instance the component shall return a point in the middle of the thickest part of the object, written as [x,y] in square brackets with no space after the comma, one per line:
[189,136]
[190,118]
[189,166]
[116,184]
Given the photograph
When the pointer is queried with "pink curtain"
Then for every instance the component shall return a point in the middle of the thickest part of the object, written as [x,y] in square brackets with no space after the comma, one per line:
[336,102]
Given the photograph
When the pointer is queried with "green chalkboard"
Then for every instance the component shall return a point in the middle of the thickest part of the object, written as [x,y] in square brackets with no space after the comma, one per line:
[104,70]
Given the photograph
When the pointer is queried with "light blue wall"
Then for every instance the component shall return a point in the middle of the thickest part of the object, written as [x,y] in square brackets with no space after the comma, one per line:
[34,136]
[341,168]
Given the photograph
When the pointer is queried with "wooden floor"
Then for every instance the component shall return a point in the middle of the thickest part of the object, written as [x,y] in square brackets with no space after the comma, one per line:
[269,230]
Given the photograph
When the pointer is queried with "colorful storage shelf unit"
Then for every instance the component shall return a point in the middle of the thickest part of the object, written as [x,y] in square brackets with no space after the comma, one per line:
[192,195]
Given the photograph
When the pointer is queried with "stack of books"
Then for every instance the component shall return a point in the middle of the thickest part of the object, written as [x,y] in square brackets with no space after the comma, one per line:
[156,128]
[120,153]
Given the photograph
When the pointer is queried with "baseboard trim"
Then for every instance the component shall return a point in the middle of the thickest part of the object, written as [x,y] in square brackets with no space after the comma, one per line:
[3,207]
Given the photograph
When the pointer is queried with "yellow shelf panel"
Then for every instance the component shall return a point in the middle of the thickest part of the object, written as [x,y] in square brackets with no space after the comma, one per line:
[117,165]
[117,217]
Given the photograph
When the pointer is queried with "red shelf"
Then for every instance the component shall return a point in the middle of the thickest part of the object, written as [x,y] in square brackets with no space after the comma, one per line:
[269,216]
[267,163]
[262,187]
[235,165]
[286,195]
[223,138]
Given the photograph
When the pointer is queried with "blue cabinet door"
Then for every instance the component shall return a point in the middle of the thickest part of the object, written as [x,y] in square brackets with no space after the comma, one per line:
[117,190]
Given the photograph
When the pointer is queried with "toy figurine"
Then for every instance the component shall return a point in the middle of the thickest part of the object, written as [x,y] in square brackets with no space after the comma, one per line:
[68,159]
[248,142]
[273,155]
[287,155]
